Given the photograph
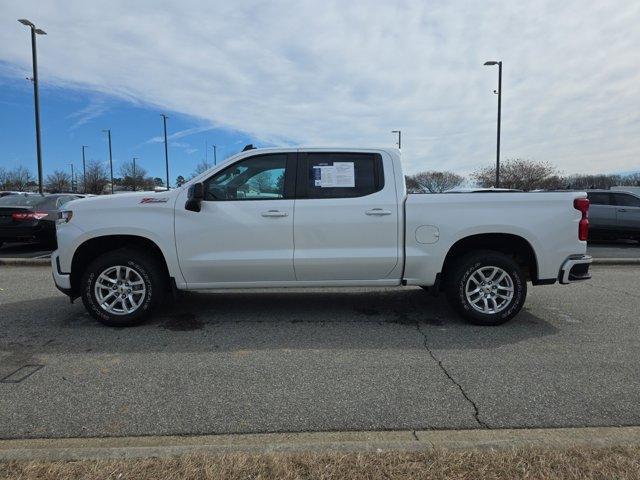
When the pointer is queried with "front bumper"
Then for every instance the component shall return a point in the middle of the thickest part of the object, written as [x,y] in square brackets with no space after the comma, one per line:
[575,269]
[62,280]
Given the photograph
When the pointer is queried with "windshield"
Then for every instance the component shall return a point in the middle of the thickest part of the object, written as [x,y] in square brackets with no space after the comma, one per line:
[22,200]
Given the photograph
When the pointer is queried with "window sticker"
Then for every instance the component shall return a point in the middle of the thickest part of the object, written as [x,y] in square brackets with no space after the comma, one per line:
[340,174]
[345,174]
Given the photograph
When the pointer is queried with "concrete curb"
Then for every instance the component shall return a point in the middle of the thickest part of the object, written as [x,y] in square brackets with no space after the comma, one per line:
[39,262]
[405,440]
[25,262]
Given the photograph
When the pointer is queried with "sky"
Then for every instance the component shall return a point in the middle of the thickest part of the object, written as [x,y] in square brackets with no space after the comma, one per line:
[322,73]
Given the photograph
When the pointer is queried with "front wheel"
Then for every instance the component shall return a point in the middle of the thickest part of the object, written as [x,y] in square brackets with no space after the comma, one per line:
[121,288]
[486,287]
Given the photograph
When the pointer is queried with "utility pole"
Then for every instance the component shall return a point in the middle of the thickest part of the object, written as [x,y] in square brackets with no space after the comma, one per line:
[399,137]
[110,158]
[166,150]
[499,93]
[36,98]
[134,174]
[215,156]
[84,171]
[72,176]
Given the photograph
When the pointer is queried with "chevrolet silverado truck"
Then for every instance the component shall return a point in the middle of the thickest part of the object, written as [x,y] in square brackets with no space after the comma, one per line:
[317,217]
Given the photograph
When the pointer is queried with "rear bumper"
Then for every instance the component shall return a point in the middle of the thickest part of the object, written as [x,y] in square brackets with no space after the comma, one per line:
[14,233]
[575,269]
[62,280]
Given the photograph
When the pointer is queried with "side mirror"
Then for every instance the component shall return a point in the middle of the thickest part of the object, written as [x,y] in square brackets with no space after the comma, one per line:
[195,195]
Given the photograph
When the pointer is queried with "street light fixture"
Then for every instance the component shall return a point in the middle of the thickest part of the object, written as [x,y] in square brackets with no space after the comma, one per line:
[499,93]
[166,149]
[399,137]
[108,132]
[36,98]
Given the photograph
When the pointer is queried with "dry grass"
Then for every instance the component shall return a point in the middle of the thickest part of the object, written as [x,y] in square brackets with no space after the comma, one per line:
[578,463]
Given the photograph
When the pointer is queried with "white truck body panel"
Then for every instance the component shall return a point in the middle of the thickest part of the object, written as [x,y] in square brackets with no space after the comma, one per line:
[321,242]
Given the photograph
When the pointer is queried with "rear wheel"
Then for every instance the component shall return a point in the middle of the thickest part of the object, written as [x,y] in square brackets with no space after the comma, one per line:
[486,287]
[121,288]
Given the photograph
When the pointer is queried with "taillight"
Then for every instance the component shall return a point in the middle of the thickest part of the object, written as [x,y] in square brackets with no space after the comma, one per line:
[27,216]
[582,204]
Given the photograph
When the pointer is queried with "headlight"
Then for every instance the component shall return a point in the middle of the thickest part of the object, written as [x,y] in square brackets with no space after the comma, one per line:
[64,216]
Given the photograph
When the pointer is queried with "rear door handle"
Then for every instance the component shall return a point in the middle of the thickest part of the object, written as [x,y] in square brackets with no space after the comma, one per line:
[274,213]
[622,209]
[378,212]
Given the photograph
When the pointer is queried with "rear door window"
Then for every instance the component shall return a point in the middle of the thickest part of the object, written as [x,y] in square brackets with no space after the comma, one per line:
[339,175]
[626,200]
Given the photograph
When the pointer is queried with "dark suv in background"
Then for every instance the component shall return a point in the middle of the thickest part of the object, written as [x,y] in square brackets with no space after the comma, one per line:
[614,214]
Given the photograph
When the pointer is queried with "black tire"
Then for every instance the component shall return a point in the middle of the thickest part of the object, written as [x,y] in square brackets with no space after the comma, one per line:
[145,266]
[457,278]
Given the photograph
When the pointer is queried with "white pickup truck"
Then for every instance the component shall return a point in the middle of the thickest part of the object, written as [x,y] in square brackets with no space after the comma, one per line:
[317,217]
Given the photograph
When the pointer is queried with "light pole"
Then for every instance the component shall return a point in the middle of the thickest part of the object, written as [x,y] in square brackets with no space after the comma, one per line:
[84,171]
[72,176]
[215,156]
[499,92]
[166,150]
[134,173]
[36,98]
[399,137]
[108,132]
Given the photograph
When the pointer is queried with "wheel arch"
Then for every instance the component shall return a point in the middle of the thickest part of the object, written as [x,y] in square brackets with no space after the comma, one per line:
[513,245]
[95,246]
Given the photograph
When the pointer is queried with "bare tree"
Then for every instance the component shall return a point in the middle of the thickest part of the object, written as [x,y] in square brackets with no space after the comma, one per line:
[97,178]
[412,185]
[434,182]
[3,177]
[202,167]
[17,179]
[518,173]
[135,178]
[57,182]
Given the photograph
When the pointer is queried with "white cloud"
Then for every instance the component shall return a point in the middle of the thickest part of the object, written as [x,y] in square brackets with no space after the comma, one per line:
[347,73]
[95,108]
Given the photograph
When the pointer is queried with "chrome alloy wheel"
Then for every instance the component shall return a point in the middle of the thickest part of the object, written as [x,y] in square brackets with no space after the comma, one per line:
[489,290]
[120,290]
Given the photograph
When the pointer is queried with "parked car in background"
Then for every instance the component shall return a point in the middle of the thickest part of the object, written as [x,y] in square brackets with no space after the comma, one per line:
[27,217]
[5,193]
[614,215]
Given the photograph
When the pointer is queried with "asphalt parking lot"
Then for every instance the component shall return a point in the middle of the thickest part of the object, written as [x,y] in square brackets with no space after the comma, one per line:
[317,360]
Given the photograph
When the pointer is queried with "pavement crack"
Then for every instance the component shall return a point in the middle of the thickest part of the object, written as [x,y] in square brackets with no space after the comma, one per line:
[413,432]
[476,412]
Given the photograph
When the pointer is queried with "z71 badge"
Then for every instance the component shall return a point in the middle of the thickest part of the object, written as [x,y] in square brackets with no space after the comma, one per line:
[154,200]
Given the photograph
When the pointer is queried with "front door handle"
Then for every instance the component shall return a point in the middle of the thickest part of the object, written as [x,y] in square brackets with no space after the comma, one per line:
[622,209]
[378,212]
[274,213]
